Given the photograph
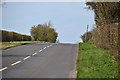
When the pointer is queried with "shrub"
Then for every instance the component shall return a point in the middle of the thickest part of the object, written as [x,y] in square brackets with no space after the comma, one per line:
[44,32]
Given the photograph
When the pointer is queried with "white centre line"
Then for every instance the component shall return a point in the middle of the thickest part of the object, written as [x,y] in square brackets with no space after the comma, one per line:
[44,48]
[16,63]
[34,53]
[40,50]
[3,68]
[23,59]
[26,57]
[48,46]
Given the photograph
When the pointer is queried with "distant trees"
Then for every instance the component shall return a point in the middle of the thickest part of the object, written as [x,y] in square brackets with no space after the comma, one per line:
[44,32]
[86,37]
[7,36]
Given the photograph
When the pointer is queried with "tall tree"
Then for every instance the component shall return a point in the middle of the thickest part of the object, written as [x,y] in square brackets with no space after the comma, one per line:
[105,12]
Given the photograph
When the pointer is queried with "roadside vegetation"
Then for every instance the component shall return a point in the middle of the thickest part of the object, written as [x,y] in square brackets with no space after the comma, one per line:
[40,33]
[98,55]
[94,62]
[5,45]
[105,34]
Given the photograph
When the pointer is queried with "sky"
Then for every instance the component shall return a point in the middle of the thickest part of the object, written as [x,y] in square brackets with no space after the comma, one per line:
[69,18]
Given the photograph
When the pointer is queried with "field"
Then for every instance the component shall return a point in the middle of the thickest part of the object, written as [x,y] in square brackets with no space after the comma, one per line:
[95,63]
[4,45]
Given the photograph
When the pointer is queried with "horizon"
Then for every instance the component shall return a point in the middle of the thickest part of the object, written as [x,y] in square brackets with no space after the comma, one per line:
[69,19]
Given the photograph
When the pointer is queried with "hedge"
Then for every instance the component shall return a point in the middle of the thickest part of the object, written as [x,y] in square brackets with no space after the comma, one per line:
[6,36]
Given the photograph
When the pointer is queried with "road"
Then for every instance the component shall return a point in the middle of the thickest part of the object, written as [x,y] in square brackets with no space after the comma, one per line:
[39,60]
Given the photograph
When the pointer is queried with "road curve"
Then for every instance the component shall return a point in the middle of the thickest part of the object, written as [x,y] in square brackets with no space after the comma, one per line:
[39,60]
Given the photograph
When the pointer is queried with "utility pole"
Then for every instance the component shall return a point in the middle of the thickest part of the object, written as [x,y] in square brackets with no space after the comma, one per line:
[86,33]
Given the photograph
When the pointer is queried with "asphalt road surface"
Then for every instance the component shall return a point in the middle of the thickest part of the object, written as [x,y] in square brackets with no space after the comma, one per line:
[39,60]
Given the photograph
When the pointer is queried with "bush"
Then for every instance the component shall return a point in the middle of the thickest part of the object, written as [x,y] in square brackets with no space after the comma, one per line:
[86,37]
[44,32]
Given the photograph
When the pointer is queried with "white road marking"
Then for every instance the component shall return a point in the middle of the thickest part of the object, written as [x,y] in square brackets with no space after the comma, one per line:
[40,50]
[16,63]
[34,53]
[51,45]
[26,57]
[3,68]
[48,46]
[44,48]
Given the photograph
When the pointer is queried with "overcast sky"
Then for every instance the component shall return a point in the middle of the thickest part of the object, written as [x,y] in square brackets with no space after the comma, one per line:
[69,18]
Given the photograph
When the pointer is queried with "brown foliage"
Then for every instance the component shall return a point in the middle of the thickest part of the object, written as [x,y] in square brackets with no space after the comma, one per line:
[106,37]
[107,21]
[87,36]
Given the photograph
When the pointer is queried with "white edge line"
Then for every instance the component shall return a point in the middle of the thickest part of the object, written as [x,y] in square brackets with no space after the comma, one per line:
[3,68]
[26,57]
[15,63]
[34,54]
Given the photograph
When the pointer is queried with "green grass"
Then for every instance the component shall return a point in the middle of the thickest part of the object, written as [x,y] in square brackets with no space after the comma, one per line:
[4,45]
[95,63]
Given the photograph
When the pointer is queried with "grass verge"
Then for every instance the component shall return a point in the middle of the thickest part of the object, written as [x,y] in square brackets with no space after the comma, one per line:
[95,63]
[5,45]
